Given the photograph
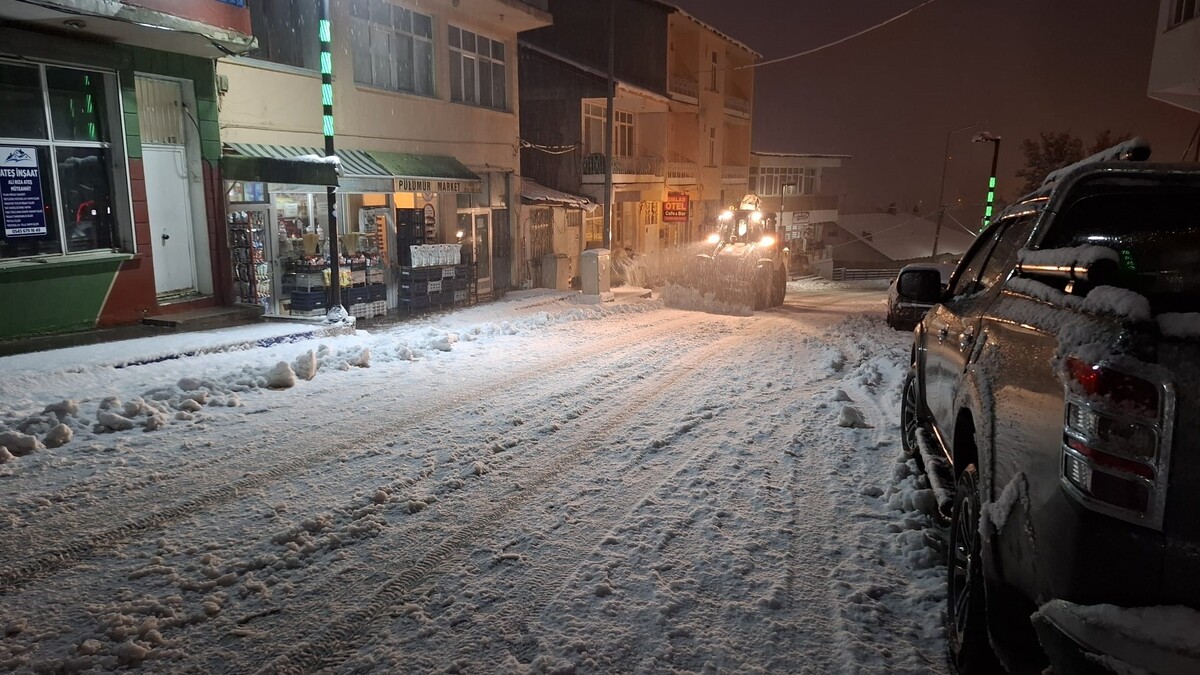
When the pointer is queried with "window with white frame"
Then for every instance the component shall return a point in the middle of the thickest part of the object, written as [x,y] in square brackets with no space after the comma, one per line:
[477,73]
[56,160]
[392,47]
[770,181]
[1182,10]
[595,116]
[593,226]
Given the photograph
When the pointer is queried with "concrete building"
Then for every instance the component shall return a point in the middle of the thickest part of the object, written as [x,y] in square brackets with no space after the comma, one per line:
[791,185]
[1175,69]
[682,118]
[426,117]
[111,147]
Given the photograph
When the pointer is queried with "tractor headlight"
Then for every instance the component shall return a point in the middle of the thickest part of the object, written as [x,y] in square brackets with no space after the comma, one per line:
[767,240]
[714,238]
[756,216]
[727,215]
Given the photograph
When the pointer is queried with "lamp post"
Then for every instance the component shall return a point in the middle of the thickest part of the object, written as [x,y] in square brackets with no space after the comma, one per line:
[937,232]
[325,33]
[989,137]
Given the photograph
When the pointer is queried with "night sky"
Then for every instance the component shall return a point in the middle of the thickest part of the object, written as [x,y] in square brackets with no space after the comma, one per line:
[890,97]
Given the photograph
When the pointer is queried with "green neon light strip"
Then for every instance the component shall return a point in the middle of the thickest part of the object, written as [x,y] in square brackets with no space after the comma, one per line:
[325,31]
[328,125]
[992,183]
[326,63]
[326,94]
[987,213]
[991,196]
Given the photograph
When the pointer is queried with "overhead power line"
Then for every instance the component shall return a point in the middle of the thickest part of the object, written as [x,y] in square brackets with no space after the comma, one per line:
[835,42]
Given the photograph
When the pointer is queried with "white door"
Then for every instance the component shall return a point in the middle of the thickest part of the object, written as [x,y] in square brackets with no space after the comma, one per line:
[168,198]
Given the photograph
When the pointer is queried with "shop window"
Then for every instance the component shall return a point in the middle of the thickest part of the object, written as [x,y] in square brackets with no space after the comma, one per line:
[477,71]
[392,47]
[593,226]
[57,160]
[286,31]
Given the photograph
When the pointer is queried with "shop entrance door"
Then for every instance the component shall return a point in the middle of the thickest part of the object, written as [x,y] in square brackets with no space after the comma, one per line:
[478,223]
[166,166]
[169,203]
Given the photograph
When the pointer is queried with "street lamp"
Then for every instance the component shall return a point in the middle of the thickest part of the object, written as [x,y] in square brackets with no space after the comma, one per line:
[336,311]
[989,137]
[937,232]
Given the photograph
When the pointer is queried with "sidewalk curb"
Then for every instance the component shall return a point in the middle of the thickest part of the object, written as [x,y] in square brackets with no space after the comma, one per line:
[243,345]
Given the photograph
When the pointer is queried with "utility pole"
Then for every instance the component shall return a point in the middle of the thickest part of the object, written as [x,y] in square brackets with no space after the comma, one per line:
[608,127]
[336,311]
[988,137]
[937,231]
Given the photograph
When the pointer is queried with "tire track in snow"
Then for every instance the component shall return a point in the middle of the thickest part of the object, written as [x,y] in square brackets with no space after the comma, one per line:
[233,483]
[325,649]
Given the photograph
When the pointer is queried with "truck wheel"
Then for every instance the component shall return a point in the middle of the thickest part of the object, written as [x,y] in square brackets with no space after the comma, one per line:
[966,613]
[779,289]
[910,414]
[761,290]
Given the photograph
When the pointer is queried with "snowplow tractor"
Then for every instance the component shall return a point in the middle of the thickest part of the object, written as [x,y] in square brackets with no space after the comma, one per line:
[743,261]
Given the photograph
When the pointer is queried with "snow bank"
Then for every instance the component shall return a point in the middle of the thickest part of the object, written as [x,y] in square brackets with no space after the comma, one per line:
[1078,256]
[1163,639]
[1110,300]
[1179,325]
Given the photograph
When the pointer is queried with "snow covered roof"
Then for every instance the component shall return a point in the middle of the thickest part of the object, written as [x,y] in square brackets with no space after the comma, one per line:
[905,236]
[533,192]
[802,155]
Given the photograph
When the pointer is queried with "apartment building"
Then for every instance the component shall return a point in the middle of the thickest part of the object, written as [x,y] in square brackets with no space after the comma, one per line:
[426,120]
[1174,75]
[682,118]
[790,184]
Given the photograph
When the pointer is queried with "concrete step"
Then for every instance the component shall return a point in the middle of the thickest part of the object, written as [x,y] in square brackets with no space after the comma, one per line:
[206,319]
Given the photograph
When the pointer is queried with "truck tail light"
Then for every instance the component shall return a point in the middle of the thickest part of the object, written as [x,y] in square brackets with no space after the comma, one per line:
[1113,453]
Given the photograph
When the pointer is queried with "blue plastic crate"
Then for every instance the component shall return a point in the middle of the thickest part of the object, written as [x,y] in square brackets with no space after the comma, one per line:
[376,292]
[303,300]
[355,296]
[414,287]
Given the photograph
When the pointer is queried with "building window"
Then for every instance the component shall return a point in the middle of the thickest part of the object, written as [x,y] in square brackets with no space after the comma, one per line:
[477,74]
[56,160]
[594,118]
[593,226]
[392,47]
[712,146]
[714,73]
[1182,10]
[286,31]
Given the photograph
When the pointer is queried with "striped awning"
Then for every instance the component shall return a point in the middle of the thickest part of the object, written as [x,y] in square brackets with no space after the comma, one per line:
[353,162]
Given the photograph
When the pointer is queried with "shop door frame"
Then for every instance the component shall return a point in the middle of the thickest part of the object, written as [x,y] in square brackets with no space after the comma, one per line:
[200,240]
[483,282]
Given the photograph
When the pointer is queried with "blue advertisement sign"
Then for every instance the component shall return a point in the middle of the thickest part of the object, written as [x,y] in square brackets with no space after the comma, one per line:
[21,193]
[235,3]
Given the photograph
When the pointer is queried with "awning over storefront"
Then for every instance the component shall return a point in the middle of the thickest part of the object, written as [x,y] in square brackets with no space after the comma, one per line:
[277,170]
[372,171]
[359,173]
[428,173]
[533,192]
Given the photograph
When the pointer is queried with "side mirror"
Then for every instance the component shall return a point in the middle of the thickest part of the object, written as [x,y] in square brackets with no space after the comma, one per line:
[920,286]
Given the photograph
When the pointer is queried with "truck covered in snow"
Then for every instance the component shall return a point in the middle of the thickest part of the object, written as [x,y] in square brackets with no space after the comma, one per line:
[744,259]
[1054,399]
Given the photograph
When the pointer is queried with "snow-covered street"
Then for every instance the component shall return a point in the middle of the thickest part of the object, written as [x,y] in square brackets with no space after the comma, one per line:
[533,485]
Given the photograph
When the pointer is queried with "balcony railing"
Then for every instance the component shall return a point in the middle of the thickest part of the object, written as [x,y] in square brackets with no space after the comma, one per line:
[682,173]
[594,165]
[684,86]
[810,202]
[735,174]
[737,105]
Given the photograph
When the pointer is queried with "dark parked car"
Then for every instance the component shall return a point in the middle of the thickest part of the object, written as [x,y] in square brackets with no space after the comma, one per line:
[1054,397]
[915,281]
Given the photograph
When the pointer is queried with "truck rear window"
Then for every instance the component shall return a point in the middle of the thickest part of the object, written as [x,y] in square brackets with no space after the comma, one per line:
[1155,231]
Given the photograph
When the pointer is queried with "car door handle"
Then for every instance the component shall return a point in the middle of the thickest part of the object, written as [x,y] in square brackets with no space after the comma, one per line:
[966,339]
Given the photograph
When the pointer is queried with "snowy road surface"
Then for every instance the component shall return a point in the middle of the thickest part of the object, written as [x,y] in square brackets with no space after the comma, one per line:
[528,486]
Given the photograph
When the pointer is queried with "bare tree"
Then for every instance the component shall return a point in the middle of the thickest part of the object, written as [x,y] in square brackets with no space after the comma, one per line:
[1055,150]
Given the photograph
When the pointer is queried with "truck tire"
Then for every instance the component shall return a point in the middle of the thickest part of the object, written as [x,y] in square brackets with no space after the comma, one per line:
[910,414]
[970,651]
[779,288]
[761,290]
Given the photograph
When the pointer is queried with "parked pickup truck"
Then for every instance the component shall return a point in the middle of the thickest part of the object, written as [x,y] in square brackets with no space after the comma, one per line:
[1054,397]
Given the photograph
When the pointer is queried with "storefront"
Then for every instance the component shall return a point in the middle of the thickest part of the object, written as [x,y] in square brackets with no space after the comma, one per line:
[109,173]
[279,245]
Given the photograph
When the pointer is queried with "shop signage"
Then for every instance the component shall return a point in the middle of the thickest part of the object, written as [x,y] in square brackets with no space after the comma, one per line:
[235,3]
[430,215]
[436,185]
[21,193]
[675,209]
[801,217]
